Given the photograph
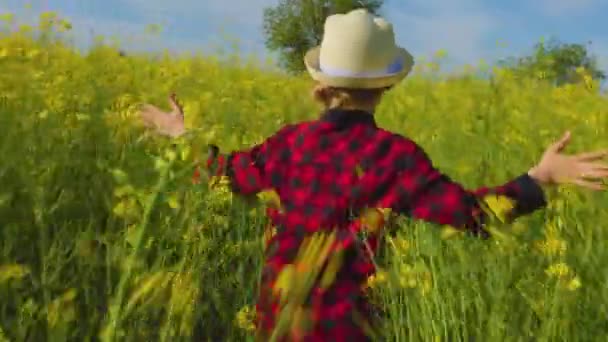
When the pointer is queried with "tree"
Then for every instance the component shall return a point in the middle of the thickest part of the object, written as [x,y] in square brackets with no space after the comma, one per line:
[294,26]
[559,62]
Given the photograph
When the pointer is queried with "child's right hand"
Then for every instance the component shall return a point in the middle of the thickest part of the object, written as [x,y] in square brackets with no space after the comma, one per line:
[584,169]
[167,124]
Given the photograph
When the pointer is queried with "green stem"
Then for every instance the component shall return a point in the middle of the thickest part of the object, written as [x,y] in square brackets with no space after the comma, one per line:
[115,308]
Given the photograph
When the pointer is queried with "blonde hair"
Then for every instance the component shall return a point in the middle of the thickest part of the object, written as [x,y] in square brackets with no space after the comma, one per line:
[332,97]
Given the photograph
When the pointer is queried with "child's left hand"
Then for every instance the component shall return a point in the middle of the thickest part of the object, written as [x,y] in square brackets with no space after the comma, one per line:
[168,124]
[583,169]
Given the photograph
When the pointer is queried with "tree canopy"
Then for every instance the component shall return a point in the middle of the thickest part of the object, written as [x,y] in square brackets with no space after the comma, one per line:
[559,62]
[294,26]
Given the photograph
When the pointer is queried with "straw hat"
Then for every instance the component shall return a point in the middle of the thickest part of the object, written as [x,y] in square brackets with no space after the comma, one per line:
[358,51]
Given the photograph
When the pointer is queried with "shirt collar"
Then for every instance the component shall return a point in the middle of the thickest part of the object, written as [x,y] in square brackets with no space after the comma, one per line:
[347,117]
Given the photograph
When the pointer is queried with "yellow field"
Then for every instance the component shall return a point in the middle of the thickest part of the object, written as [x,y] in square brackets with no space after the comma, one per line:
[102,232]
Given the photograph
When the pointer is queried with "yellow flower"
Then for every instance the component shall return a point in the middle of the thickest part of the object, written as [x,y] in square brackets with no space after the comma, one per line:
[558,270]
[400,244]
[407,276]
[173,201]
[501,206]
[13,271]
[245,319]
[270,198]
[448,232]
[372,220]
[552,247]
[377,279]
[407,282]
[574,284]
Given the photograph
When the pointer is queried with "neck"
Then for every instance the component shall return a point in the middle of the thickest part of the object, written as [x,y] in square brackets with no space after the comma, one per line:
[370,109]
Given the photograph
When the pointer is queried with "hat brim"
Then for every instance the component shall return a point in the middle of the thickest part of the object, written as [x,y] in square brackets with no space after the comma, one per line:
[311,60]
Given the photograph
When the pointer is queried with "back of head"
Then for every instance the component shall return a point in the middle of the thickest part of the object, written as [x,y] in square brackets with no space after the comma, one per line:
[347,98]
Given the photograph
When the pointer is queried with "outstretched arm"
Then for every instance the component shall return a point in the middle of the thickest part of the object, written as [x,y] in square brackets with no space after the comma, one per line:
[421,191]
[424,193]
[247,170]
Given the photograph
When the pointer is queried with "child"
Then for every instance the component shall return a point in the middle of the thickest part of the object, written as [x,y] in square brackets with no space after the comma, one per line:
[328,171]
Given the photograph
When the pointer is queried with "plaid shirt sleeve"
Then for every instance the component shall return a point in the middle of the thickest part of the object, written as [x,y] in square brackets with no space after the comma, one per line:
[247,170]
[422,192]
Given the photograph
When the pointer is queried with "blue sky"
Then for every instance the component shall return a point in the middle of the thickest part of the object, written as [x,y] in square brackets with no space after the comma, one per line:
[468,29]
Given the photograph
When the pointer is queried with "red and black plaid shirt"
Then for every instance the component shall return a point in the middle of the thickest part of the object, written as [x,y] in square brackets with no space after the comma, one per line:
[312,167]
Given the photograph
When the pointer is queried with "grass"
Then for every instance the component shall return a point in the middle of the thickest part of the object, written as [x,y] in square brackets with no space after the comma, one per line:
[103,236]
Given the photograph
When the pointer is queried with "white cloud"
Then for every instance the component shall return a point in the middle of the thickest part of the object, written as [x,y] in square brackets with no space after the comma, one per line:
[462,29]
[247,13]
[236,18]
[431,25]
[129,34]
[562,7]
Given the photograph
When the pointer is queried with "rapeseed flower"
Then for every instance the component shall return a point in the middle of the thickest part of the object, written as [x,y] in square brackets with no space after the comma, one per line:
[558,270]
[245,319]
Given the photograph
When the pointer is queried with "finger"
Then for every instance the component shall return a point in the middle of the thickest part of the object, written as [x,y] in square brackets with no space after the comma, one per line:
[591,156]
[587,167]
[600,166]
[173,103]
[589,184]
[561,143]
[595,174]
[176,108]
